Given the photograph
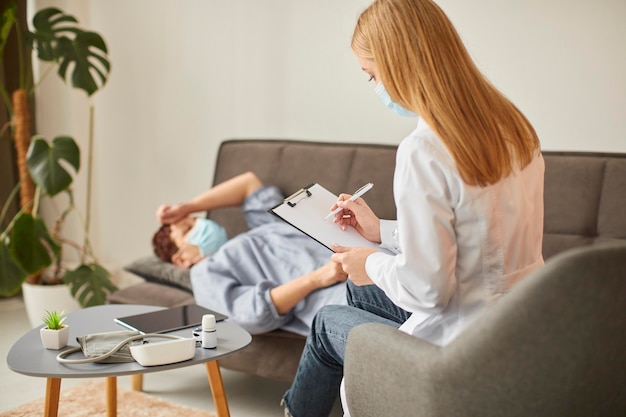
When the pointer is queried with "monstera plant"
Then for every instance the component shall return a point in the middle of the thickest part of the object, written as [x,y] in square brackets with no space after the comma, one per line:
[28,245]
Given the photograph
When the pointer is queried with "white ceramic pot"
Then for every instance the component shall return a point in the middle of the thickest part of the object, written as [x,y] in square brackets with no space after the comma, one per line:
[41,298]
[55,339]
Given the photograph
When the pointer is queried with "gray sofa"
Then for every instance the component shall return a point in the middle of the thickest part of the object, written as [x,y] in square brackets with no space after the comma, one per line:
[290,165]
[585,196]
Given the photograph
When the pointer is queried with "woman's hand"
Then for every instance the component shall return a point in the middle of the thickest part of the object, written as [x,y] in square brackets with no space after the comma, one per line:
[358,215]
[352,261]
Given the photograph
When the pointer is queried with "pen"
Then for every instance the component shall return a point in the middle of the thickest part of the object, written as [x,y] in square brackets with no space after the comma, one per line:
[358,193]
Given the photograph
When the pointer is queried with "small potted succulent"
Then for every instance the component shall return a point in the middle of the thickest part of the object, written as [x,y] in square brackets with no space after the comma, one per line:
[56,333]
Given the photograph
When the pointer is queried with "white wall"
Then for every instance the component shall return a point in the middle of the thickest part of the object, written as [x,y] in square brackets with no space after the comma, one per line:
[188,74]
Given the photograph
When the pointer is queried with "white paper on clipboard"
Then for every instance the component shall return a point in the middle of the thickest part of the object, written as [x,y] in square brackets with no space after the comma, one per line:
[305,210]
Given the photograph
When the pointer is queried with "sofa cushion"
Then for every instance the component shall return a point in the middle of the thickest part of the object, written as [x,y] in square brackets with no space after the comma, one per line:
[153,269]
[153,294]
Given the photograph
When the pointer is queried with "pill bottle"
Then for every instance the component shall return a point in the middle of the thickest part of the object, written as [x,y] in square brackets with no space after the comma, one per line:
[209,332]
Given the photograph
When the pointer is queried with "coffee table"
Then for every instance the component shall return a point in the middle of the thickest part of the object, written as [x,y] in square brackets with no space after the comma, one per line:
[28,356]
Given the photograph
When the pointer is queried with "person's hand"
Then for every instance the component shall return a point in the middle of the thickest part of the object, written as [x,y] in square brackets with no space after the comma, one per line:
[329,274]
[167,214]
[187,256]
[358,215]
[352,261]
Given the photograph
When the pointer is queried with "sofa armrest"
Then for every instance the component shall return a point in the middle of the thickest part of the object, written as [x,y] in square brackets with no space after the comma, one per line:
[383,368]
[553,346]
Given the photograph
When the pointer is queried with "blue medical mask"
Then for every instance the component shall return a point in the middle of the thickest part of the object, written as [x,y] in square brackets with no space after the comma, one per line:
[384,96]
[207,235]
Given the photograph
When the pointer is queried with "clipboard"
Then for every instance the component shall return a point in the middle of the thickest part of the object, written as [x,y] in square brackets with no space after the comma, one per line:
[305,210]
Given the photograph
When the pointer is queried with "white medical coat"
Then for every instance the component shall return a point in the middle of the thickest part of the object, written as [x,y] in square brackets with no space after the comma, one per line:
[459,247]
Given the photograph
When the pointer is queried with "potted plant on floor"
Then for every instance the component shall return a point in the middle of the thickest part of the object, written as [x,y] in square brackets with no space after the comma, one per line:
[55,333]
[28,245]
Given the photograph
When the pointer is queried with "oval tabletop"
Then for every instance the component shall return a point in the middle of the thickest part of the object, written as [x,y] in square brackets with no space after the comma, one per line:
[29,357]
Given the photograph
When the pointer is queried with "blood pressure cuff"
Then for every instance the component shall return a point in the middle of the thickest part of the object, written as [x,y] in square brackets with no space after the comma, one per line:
[98,344]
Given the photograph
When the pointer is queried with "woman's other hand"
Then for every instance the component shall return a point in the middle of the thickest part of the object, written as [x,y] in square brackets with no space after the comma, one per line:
[352,261]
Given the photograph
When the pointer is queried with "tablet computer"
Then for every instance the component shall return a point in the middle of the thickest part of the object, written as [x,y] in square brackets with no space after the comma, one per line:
[169,319]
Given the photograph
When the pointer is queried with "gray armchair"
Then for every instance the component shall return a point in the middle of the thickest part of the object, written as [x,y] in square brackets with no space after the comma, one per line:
[554,346]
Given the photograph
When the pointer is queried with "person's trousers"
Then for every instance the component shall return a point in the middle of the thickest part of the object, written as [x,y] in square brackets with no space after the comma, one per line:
[320,370]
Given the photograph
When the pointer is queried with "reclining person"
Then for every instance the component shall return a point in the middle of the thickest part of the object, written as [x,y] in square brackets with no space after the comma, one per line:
[272,276]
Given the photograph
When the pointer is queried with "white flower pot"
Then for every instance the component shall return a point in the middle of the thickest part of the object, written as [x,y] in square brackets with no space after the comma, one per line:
[41,298]
[55,339]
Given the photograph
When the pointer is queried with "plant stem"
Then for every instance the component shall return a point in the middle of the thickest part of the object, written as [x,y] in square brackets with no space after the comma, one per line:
[85,252]
[7,204]
[89,173]
[36,200]
[7,102]
[46,71]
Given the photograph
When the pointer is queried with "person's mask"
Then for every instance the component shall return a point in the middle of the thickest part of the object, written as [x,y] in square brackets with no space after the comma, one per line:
[384,96]
[207,235]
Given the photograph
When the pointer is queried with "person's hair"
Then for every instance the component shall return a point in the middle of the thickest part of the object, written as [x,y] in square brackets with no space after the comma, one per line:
[425,68]
[163,246]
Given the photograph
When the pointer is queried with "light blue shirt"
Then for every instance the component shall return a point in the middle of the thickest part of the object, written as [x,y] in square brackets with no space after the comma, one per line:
[238,278]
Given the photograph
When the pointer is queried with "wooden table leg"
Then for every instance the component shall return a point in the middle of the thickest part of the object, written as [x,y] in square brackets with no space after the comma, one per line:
[111,394]
[53,389]
[217,388]
[136,382]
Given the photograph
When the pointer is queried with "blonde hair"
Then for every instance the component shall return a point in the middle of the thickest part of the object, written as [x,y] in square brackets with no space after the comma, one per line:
[425,68]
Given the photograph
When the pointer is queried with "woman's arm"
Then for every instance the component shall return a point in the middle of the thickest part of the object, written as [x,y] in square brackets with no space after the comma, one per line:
[423,277]
[286,296]
[229,193]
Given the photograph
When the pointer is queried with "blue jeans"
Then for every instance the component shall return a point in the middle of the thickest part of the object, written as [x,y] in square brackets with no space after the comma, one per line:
[316,385]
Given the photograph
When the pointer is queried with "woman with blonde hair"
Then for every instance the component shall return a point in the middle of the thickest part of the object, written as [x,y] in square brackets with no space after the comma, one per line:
[468,188]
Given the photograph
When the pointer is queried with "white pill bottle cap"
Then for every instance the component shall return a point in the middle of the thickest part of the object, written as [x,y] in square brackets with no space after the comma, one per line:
[208,322]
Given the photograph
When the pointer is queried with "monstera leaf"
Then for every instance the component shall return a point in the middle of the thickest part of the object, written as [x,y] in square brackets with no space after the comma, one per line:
[57,39]
[43,163]
[12,273]
[7,20]
[31,245]
[89,284]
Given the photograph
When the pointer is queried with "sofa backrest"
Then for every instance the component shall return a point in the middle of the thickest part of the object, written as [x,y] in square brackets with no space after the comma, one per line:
[292,165]
[584,200]
[585,193]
